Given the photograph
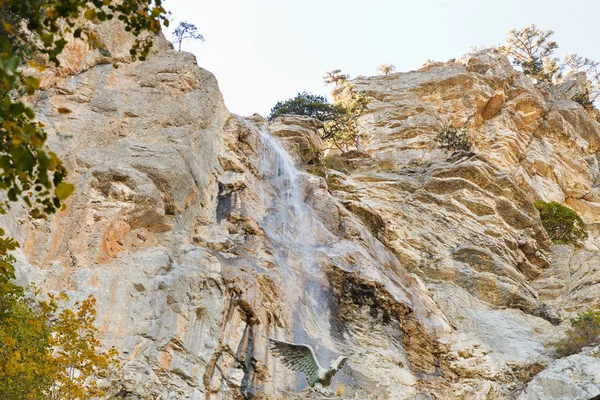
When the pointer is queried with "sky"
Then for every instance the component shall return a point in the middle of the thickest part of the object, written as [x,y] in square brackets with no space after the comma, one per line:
[264,51]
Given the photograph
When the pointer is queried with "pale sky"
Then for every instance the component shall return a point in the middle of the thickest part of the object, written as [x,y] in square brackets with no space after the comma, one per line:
[263,51]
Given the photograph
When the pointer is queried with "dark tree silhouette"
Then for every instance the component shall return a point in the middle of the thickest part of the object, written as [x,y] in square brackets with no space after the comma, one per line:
[311,105]
[185,30]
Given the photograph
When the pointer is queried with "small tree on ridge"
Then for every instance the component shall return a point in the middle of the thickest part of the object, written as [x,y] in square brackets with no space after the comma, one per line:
[532,50]
[308,104]
[386,69]
[335,76]
[185,30]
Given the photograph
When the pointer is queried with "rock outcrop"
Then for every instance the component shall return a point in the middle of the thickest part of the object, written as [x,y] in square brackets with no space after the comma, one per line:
[576,377]
[203,234]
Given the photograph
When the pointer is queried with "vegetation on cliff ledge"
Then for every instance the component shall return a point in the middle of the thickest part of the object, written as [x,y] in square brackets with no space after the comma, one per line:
[532,50]
[453,139]
[584,332]
[562,224]
[340,119]
[307,104]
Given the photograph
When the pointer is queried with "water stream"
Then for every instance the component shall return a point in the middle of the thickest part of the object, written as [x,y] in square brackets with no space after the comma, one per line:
[290,226]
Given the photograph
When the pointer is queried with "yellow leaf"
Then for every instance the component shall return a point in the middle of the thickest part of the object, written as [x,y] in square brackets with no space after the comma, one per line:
[64,110]
[9,28]
[64,190]
[89,14]
[37,66]
[51,13]
[155,26]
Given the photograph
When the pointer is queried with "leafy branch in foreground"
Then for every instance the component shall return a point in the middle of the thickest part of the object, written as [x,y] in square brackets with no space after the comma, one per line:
[46,353]
[28,169]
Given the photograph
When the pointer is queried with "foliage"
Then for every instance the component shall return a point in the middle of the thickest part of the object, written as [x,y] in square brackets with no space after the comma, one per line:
[335,76]
[532,50]
[311,105]
[343,130]
[452,139]
[76,352]
[386,69]
[47,354]
[584,332]
[340,119]
[26,363]
[185,30]
[585,100]
[28,170]
[562,224]
[591,69]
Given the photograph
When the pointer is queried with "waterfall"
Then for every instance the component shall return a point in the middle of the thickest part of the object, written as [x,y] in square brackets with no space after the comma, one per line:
[288,223]
[291,226]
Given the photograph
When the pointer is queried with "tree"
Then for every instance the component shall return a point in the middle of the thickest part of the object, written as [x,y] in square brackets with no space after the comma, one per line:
[340,128]
[77,358]
[185,30]
[30,331]
[311,105]
[591,69]
[386,69]
[562,224]
[343,130]
[26,363]
[47,354]
[335,76]
[532,50]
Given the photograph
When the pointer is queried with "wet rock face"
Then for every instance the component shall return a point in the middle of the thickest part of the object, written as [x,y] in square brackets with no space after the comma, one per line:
[203,234]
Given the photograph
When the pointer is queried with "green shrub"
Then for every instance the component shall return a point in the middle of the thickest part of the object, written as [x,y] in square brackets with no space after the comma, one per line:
[563,225]
[311,105]
[584,100]
[453,139]
[584,332]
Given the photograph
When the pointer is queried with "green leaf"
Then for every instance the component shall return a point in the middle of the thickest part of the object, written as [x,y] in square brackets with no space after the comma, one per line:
[64,190]
[89,14]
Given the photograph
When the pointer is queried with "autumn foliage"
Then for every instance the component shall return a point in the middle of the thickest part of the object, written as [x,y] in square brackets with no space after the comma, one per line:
[49,353]
[48,347]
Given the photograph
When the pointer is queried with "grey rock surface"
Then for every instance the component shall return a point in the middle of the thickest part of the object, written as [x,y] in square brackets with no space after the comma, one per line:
[203,234]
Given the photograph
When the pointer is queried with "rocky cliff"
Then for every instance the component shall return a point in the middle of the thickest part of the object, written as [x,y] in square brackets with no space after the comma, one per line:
[203,234]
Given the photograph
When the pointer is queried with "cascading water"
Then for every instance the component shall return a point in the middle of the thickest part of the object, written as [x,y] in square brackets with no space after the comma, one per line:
[289,218]
[290,226]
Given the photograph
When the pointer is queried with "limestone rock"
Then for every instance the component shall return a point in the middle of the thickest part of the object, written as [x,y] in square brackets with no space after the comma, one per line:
[300,138]
[203,233]
[576,377]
